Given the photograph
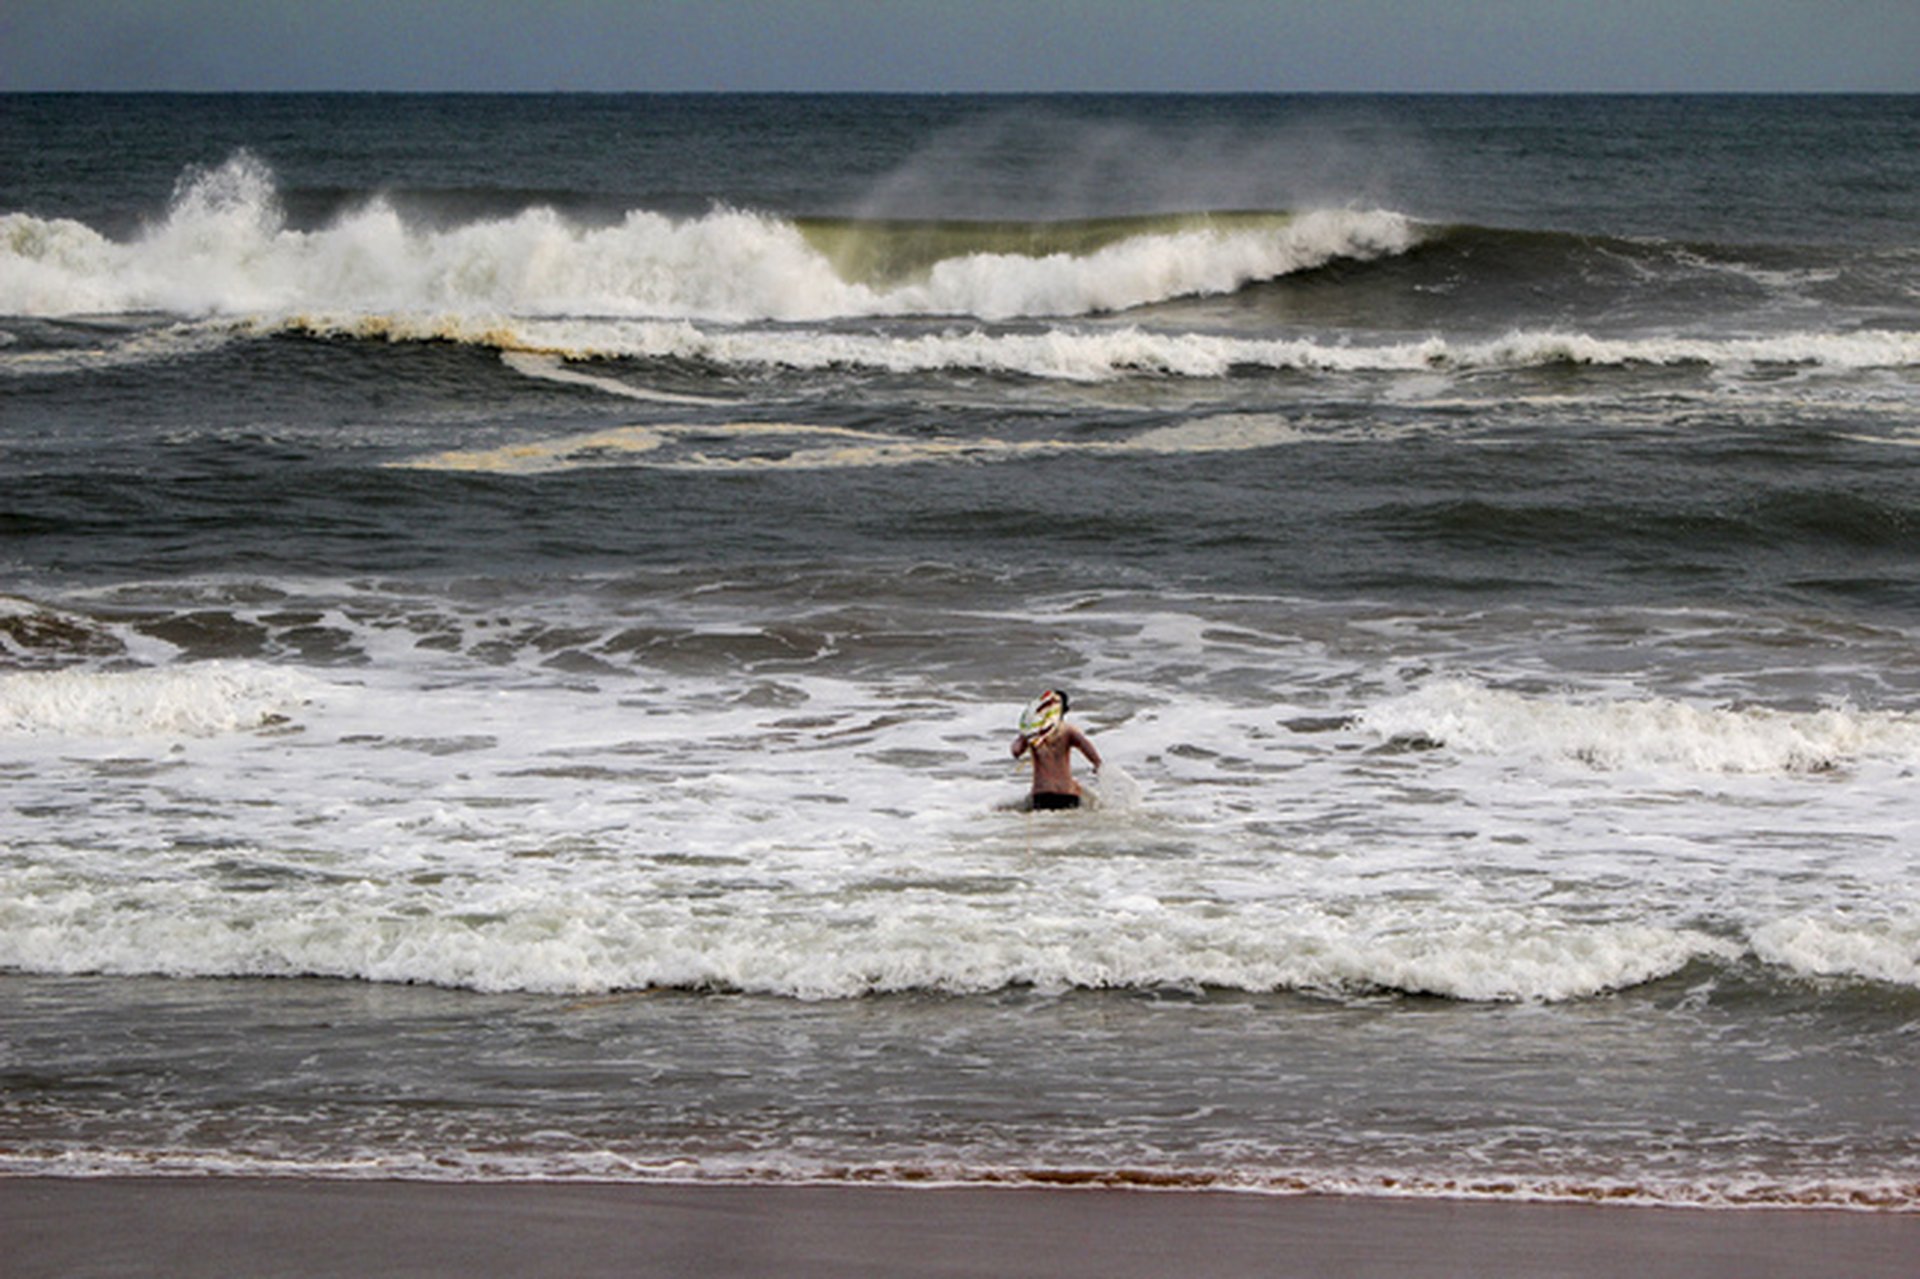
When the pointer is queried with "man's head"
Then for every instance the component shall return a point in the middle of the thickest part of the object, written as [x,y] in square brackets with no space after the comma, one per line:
[1044,715]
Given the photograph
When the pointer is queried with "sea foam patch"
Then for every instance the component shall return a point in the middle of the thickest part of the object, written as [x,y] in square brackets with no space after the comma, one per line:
[793,446]
[1872,945]
[1650,732]
[194,701]
[716,446]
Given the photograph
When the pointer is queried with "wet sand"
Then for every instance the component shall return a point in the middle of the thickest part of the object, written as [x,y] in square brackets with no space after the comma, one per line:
[292,1227]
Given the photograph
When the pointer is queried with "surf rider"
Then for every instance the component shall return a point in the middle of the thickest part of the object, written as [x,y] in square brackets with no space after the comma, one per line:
[1050,740]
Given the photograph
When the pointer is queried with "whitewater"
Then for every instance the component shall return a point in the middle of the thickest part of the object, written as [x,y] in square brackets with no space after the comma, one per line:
[224,248]
[529,875]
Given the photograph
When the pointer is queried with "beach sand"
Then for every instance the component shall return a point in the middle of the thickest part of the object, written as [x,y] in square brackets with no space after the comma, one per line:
[72,1227]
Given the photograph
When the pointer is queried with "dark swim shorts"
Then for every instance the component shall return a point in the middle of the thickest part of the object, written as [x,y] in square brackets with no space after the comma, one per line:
[1047,801]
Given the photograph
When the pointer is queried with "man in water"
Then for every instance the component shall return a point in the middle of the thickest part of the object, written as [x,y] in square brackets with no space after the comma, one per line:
[1051,741]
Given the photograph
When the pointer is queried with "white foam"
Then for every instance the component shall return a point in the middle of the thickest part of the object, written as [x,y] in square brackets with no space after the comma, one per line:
[1644,732]
[1857,943]
[1863,349]
[193,701]
[55,266]
[224,249]
[1504,955]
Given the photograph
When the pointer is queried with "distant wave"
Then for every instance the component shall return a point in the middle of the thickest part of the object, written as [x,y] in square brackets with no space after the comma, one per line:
[225,248]
[586,351]
[1099,354]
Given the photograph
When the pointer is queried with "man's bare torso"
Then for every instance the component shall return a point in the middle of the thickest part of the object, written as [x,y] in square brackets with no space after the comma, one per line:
[1052,765]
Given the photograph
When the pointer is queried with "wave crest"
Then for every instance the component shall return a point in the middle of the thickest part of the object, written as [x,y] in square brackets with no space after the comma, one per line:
[224,248]
[1074,354]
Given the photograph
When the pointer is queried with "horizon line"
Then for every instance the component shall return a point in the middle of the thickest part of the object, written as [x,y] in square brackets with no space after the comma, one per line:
[965,93]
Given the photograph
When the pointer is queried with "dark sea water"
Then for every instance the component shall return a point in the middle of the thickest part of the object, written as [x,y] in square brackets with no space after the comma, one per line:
[513,610]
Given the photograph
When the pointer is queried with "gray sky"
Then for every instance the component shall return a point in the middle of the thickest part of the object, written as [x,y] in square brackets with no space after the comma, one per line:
[960,45]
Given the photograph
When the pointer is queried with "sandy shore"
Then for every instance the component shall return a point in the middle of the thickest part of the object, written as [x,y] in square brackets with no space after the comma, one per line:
[290,1227]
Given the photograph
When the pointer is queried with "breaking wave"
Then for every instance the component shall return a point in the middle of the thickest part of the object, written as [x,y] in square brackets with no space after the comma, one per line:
[736,288]
[224,248]
[523,938]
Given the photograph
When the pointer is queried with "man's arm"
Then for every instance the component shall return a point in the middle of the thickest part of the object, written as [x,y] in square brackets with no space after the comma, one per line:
[1085,746]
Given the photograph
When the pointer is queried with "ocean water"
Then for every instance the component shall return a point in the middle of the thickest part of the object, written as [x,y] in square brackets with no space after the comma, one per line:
[513,610]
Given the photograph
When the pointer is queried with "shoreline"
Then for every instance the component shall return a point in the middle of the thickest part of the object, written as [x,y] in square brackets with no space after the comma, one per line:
[293,1226]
